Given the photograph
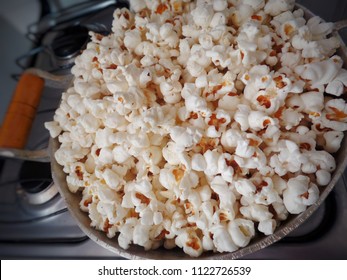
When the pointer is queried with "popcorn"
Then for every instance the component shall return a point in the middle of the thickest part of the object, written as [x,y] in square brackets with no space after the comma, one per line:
[275,7]
[220,5]
[333,141]
[318,28]
[202,15]
[132,39]
[241,116]
[201,124]
[241,14]
[335,115]
[299,194]
[222,239]
[89,123]
[267,226]
[241,231]
[103,137]
[256,212]
[190,243]
[255,4]
[54,128]
[337,85]
[198,162]
[259,120]
[320,73]
[211,158]
[185,137]
[323,177]
[226,196]
[137,5]
[245,187]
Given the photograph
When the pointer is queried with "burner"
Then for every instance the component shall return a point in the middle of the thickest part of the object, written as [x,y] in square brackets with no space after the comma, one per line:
[36,181]
[68,43]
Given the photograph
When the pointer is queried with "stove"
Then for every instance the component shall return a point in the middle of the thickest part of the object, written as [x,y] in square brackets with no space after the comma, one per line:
[34,221]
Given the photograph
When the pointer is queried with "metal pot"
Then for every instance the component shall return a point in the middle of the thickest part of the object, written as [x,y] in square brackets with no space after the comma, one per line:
[135,252]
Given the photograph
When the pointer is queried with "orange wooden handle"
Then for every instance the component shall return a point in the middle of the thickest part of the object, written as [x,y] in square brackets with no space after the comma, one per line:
[21,112]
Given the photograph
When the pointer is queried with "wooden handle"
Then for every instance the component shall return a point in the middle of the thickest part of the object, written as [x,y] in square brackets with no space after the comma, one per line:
[21,112]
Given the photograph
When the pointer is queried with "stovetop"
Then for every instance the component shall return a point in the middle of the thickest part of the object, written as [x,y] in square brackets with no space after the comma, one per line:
[35,223]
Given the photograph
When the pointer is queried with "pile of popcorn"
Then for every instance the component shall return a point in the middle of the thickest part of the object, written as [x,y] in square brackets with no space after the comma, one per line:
[200,124]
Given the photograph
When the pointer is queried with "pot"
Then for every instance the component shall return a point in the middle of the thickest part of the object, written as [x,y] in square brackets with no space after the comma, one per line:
[135,252]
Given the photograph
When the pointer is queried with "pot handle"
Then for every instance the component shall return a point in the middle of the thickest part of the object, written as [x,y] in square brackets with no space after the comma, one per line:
[340,24]
[37,155]
[21,112]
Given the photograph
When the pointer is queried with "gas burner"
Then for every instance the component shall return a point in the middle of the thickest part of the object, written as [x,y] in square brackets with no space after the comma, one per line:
[68,43]
[36,183]
[43,196]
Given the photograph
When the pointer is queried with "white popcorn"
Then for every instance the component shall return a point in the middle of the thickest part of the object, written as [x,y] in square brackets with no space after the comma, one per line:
[126,233]
[103,137]
[219,5]
[290,59]
[256,212]
[259,120]
[75,101]
[54,128]
[121,19]
[291,118]
[323,177]
[200,124]
[132,39]
[230,138]
[190,243]
[245,187]
[321,159]
[171,153]
[266,193]
[185,137]
[137,5]
[202,15]
[198,162]
[299,194]
[241,116]
[289,158]
[241,15]
[337,86]
[222,239]
[333,141]
[313,102]
[243,149]
[241,231]
[112,179]
[224,168]
[267,226]
[226,196]
[168,35]
[281,211]
[218,19]
[318,28]
[211,158]
[275,7]
[105,156]
[335,116]
[320,73]
[171,91]
[89,123]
